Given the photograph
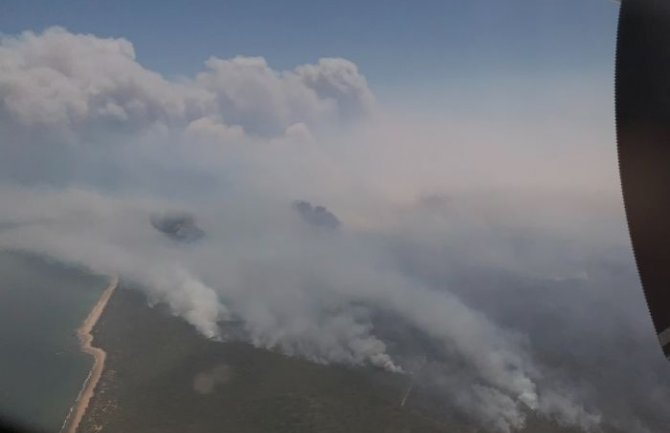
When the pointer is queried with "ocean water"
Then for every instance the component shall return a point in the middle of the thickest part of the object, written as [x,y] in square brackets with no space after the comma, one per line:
[42,303]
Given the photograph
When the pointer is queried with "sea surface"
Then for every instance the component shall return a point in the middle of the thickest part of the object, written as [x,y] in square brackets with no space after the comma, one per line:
[42,303]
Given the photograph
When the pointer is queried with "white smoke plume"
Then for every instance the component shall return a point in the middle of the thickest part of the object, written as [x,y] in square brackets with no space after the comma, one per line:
[465,230]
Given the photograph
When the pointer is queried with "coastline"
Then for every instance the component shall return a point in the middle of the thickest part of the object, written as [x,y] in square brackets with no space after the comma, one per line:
[76,413]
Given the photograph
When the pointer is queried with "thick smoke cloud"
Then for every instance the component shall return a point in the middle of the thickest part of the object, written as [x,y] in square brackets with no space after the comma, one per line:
[70,83]
[514,285]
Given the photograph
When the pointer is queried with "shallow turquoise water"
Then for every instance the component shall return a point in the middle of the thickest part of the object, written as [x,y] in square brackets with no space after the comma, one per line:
[42,303]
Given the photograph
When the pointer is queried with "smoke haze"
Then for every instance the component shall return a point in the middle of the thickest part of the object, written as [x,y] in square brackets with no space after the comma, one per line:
[499,237]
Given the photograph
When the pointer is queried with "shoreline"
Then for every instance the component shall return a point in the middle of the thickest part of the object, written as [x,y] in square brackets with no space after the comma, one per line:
[77,411]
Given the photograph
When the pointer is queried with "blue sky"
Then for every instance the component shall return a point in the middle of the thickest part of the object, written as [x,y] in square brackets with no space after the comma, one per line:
[421,49]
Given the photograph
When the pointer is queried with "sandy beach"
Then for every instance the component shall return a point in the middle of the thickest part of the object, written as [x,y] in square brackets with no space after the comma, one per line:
[86,338]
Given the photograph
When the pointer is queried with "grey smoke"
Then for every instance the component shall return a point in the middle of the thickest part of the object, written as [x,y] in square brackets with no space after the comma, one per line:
[317,215]
[180,226]
[517,284]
